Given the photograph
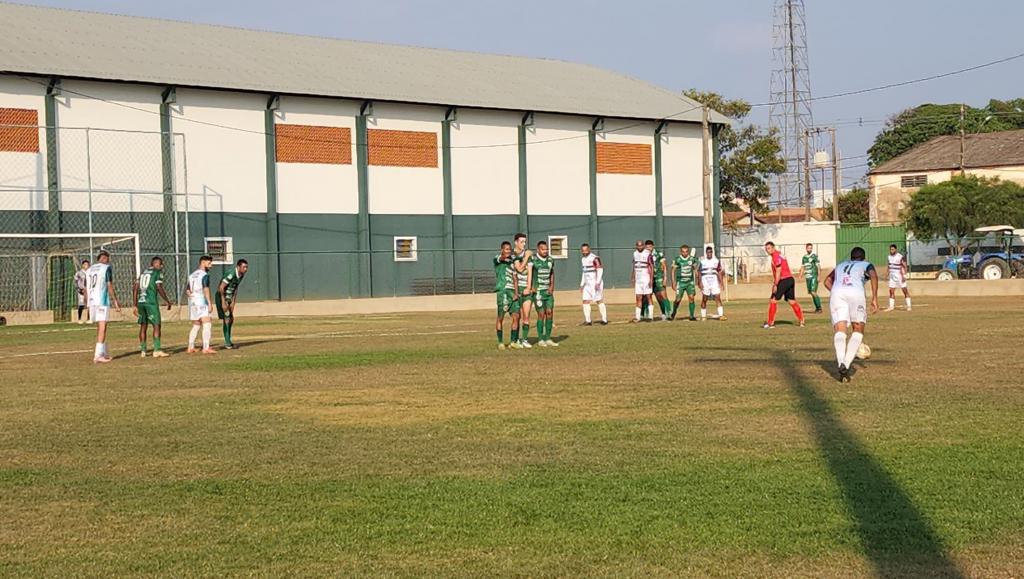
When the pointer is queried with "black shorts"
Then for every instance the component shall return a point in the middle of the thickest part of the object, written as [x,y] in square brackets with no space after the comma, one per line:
[786,290]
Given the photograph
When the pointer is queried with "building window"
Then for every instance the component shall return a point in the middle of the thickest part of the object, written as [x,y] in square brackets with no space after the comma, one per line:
[405,249]
[220,249]
[911,181]
[558,246]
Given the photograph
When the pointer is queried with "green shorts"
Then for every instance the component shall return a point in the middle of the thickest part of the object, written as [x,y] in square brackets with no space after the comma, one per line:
[223,308]
[659,285]
[544,300]
[812,285]
[508,303]
[686,288]
[149,314]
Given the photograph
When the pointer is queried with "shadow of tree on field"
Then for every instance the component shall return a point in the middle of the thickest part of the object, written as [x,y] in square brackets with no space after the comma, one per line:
[898,538]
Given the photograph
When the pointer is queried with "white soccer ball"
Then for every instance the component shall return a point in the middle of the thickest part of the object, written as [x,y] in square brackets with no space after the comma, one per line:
[864,352]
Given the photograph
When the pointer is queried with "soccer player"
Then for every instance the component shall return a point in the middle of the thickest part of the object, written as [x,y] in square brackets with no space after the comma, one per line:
[809,269]
[521,259]
[783,286]
[81,284]
[641,275]
[227,297]
[100,281]
[712,279]
[507,289]
[542,288]
[592,285]
[846,303]
[147,307]
[660,273]
[199,300]
[897,277]
[684,279]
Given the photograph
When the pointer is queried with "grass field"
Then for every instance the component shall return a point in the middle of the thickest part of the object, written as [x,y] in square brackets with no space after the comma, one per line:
[405,445]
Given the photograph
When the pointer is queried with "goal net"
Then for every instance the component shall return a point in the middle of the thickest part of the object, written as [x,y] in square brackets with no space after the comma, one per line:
[37,271]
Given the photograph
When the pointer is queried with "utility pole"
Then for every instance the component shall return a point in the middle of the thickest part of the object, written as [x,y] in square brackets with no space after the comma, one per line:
[963,141]
[808,191]
[706,164]
[837,176]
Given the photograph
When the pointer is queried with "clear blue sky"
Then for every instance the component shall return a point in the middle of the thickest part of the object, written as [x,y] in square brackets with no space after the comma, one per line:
[723,46]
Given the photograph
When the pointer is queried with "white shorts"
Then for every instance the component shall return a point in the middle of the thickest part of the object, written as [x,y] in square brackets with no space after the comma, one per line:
[197,312]
[593,292]
[99,313]
[849,307]
[897,281]
[709,286]
[642,286]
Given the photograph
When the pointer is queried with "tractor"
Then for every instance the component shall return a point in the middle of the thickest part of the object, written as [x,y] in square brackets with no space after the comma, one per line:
[988,264]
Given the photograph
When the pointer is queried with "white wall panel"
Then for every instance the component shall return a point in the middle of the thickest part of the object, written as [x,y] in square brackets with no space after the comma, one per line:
[682,189]
[627,195]
[23,175]
[558,165]
[485,163]
[407,190]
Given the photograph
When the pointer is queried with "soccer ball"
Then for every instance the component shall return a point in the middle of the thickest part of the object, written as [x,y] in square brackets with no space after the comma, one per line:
[863,352]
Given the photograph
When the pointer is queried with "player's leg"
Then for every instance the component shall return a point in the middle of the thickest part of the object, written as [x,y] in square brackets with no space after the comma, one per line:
[906,296]
[587,312]
[193,333]
[100,354]
[691,294]
[638,309]
[143,331]
[158,351]
[603,310]
[812,288]
[676,301]
[551,320]
[721,308]
[499,328]
[703,304]
[207,334]
[856,339]
[526,309]
[514,343]
[892,295]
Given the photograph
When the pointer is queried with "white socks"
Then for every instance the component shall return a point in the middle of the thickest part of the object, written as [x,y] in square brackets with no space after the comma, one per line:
[101,349]
[721,311]
[604,312]
[703,313]
[637,314]
[908,304]
[586,313]
[892,303]
[840,343]
[207,330]
[852,346]
[192,336]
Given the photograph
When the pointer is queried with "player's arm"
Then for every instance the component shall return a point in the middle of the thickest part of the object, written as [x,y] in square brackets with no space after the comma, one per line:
[904,267]
[160,290]
[632,272]
[222,288]
[599,271]
[721,275]
[831,279]
[529,278]
[135,296]
[873,276]
[110,289]
[206,291]
[552,282]
[650,267]
[673,275]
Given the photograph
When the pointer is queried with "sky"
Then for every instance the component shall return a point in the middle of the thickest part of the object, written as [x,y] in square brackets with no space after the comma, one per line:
[722,46]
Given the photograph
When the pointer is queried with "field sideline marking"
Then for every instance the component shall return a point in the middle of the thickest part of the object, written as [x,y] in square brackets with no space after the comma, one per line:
[47,353]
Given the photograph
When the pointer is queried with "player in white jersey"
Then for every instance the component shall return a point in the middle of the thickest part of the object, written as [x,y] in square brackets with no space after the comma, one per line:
[100,294]
[592,285]
[846,302]
[81,285]
[898,270]
[711,280]
[642,275]
[199,302]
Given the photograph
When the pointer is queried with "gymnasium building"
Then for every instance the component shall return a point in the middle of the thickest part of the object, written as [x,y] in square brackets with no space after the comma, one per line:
[338,168]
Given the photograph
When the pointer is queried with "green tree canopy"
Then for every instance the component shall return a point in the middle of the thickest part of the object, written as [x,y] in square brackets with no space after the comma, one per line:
[750,155]
[917,125]
[854,207]
[953,209]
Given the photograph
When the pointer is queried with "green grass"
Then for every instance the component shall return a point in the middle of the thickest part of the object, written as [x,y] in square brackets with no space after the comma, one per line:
[407,446]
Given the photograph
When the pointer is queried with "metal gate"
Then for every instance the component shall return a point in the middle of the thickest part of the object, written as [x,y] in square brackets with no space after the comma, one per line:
[874,240]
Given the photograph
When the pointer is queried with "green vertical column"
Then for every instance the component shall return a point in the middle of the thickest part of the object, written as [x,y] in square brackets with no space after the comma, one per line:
[363,174]
[448,225]
[167,170]
[592,144]
[272,277]
[716,182]
[54,222]
[659,204]
[524,220]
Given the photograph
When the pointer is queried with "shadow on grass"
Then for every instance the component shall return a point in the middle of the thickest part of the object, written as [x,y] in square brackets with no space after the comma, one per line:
[897,538]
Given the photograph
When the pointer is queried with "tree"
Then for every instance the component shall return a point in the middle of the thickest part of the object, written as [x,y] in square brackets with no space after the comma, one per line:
[854,207]
[953,209]
[917,125]
[750,155]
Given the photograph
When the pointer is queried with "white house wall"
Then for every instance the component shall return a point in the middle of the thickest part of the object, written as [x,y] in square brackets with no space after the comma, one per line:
[558,165]
[485,177]
[23,175]
[315,187]
[406,190]
[626,195]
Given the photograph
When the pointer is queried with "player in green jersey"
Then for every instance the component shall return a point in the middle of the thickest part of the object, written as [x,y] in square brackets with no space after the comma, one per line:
[521,257]
[147,306]
[507,289]
[660,273]
[541,285]
[684,280]
[810,268]
[227,297]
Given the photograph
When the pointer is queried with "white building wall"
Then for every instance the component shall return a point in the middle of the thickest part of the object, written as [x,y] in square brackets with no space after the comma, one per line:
[681,171]
[226,166]
[627,195]
[23,175]
[748,245]
[485,163]
[407,190]
[558,165]
[313,187]
[110,144]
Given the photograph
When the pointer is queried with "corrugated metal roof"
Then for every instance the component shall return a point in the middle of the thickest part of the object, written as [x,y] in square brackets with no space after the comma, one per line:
[47,41]
[999,149]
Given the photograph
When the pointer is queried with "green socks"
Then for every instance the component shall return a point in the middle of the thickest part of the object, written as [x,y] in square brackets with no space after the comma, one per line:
[515,334]
[142,346]
[551,325]
[227,333]
[526,331]
[693,307]
[501,336]
[817,302]
[156,343]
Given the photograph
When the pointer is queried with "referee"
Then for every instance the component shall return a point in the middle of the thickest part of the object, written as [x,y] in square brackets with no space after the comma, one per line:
[783,286]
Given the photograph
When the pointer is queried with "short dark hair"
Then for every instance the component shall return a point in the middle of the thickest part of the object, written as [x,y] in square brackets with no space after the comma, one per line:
[155,259]
[205,258]
[584,245]
[241,262]
[771,243]
[857,254]
[649,242]
[85,261]
[519,236]
[893,246]
[508,243]
[540,243]
[102,253]
[684,246]
[810,245]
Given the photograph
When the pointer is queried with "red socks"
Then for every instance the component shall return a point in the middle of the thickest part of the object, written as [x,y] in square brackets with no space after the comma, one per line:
[772,308]
[796,310]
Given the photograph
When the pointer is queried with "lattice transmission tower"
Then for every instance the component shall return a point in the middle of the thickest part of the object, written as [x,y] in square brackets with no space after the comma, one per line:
[790,110]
